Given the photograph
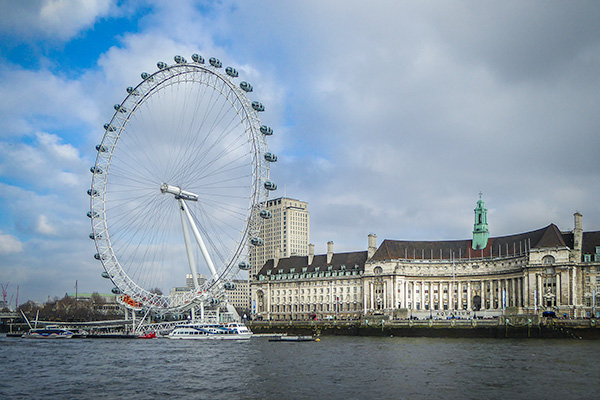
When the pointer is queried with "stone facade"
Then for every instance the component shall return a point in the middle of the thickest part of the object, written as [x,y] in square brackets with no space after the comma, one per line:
[527,273]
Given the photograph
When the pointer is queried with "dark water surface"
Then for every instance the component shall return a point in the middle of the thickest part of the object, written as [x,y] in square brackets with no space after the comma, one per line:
[335,368]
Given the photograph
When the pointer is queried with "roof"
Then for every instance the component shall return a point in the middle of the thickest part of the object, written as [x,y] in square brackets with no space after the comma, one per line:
[590,241]
[511,245]
[352,260]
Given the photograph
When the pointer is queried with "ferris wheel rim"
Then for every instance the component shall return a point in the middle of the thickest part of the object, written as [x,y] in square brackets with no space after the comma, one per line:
[100,230]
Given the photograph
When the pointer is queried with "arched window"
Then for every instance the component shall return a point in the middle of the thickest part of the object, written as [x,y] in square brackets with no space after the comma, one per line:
[378,270]
[548,260]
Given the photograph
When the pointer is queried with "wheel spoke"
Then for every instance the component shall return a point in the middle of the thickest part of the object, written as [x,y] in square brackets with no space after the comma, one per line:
[186,153]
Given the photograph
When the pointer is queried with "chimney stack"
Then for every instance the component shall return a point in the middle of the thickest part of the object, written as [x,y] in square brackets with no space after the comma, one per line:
[372,243]
[329,251]
[276,258]
[311,253]
[577,236]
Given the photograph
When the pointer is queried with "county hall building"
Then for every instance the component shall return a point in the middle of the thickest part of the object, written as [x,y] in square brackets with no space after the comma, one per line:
[526,273]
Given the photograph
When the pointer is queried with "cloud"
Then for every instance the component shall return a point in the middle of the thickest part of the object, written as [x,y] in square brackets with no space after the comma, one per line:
[41,100]
[9,244]
[44,227]
[388,119]
[50,19]
[46,163]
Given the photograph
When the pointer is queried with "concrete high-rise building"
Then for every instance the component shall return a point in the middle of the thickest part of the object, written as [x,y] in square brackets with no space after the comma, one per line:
[285,234]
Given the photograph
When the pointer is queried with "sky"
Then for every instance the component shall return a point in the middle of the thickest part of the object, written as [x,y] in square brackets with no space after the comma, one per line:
[390,117]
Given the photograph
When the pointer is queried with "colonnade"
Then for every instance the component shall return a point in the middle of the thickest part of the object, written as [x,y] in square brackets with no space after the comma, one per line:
[447,294]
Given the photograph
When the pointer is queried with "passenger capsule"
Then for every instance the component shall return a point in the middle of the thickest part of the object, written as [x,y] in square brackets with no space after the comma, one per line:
[270,185]
[97,256]
[229,286]
[161,65]
[115,290]
[244,265]
[120,108]
[214,301]
[101,148]
[146,76]
[94,237]
[246,87]
[266,130]
[258,106]
[180,60]
[92,214]
[109,127]
[265,214]
[105,275]
[215,62]
[92,193]
[96,170]
[198,58]
[131,90]
[256,241]
[231,72]
[270,157]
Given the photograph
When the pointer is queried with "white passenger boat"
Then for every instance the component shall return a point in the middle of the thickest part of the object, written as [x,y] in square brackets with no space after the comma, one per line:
[230,331]
[49,332]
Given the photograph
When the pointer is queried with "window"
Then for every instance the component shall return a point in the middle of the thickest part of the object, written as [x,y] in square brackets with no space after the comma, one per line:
[548,260]
[587,258]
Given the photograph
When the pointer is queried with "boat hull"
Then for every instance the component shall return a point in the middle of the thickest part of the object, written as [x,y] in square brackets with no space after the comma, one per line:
[214,337]
[200,331]
[47,335]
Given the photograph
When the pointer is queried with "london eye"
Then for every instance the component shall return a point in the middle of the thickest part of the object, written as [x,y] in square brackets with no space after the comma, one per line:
[178,185]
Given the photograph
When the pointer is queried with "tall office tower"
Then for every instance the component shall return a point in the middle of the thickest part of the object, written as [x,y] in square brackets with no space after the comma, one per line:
[285,234]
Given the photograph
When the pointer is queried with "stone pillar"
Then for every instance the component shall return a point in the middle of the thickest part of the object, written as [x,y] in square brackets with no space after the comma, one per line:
[469,296]
[430,295]
[365,298]
[538,286]
[385,294]
[371,296]
[483,286]
[394,292]
[558,292]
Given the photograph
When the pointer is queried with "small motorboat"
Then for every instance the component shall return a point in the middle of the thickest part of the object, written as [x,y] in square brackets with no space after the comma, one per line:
[285,338]
[150,335]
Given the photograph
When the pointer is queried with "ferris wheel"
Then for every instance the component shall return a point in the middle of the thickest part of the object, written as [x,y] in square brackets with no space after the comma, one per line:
[179,185]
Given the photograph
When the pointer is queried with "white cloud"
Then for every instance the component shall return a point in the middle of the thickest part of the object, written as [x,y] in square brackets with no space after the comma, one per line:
[44,227]
[388,118]
[59,19]
[46,163]
[41,100]
[9,244]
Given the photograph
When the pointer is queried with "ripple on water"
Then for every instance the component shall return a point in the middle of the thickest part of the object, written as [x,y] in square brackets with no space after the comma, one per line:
[335,368]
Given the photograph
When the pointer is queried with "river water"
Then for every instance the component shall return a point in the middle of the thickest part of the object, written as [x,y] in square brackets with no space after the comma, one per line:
[334,368]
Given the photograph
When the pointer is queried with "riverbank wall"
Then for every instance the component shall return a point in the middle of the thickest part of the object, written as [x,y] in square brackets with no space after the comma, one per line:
[523,326]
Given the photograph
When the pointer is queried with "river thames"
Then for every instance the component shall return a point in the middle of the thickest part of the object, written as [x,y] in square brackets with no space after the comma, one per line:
[334,368]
